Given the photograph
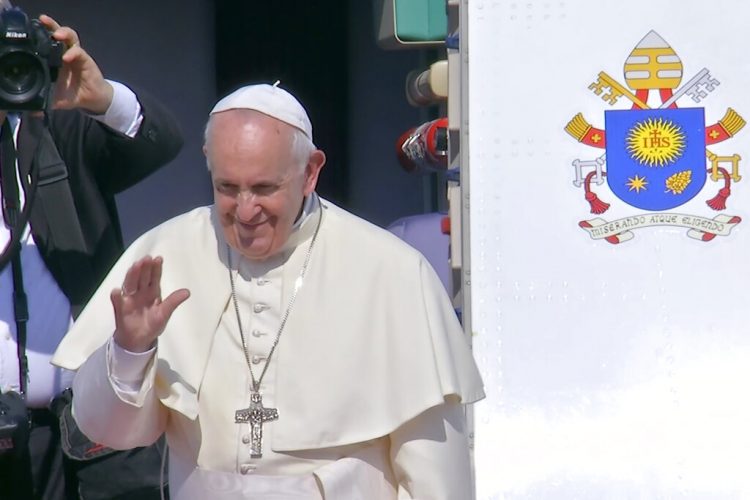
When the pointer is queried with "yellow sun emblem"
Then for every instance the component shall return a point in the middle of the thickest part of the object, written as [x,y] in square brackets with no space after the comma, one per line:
[637,183]
[656,143]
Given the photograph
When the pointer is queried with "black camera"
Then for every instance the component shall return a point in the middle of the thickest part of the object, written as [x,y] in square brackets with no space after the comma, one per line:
[29,61]
[15,459]
[14,424]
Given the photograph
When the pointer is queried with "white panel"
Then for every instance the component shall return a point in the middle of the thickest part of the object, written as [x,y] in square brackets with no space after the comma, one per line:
[613,371]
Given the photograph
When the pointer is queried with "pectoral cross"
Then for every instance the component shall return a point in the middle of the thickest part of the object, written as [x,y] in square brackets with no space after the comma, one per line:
[256,415]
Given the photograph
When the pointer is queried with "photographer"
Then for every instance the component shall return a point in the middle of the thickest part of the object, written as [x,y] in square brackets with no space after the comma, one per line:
[59,235]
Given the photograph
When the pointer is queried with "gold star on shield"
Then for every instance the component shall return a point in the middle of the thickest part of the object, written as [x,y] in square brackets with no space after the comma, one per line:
[637,183]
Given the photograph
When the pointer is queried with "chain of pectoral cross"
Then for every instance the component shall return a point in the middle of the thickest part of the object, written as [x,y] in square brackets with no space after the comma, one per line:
[255,414]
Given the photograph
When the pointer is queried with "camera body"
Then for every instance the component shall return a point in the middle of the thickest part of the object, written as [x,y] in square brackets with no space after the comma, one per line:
[29,62]
[14,425]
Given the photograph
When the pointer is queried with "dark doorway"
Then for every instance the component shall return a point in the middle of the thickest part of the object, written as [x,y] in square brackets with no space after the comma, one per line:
[304,45]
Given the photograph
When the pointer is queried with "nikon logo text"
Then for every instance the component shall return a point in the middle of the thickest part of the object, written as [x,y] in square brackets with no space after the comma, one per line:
[15,34]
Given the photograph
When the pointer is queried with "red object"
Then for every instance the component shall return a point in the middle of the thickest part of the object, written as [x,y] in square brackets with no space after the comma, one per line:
[445,225]
[719,202]
[424,148]
[716,133]
[597,206]
[404,160]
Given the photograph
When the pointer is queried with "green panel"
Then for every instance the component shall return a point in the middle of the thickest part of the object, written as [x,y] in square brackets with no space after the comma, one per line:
[421,20]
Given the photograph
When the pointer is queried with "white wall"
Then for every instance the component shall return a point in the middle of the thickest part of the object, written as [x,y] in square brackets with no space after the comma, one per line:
[613,371]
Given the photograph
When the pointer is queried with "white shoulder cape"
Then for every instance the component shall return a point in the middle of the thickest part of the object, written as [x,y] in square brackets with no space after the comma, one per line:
[372,340]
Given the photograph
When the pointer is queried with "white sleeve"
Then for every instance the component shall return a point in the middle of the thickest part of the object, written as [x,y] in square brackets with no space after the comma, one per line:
[124,113]
[115,418]
[430,455]
[128,369]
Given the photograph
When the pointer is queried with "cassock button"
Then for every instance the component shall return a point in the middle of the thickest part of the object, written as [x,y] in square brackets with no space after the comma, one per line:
[261,281]
[257,359]
[260,307]
[246,439]
[257,333]
[247,468]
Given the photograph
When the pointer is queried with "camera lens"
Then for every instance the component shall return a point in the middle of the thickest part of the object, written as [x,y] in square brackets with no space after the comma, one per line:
[21,76]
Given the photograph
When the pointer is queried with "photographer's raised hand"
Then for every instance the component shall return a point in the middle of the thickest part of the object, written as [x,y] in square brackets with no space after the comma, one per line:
[80,83]
[140,313]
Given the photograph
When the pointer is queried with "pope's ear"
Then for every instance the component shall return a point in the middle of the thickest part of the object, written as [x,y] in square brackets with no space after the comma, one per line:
[312,170]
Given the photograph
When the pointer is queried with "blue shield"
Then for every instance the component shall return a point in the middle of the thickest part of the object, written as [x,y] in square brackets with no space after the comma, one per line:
[656,158]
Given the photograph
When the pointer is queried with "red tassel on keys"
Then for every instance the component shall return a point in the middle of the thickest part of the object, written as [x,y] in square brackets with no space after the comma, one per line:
[719,202]
[597,206]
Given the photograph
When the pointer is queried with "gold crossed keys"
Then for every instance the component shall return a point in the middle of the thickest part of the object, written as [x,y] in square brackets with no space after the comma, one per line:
[256,416]
[698,87]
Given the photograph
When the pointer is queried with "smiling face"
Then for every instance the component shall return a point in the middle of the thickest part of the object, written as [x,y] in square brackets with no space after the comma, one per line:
[259,182]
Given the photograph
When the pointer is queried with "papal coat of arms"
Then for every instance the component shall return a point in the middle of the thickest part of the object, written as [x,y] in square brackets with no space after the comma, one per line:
[657,158]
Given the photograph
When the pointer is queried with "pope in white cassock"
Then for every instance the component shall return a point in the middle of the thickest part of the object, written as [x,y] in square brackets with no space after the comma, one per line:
[302,353]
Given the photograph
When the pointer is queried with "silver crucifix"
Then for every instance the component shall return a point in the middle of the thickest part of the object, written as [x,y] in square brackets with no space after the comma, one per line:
[256,416]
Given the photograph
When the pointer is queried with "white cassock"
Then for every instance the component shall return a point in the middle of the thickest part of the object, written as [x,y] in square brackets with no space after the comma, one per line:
[369,376]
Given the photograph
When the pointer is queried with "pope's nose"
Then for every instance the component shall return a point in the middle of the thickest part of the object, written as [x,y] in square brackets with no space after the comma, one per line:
[247,207]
